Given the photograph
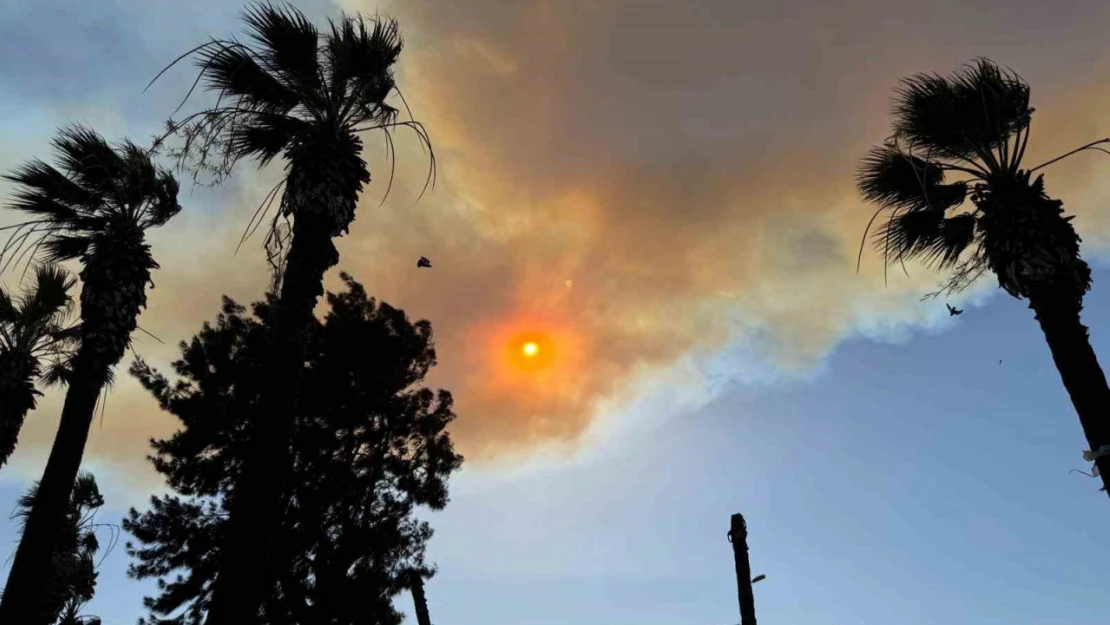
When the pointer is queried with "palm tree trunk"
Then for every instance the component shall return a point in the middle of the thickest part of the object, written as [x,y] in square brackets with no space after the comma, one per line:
[25,595]
[738,536]
[1079,369]
[244,575]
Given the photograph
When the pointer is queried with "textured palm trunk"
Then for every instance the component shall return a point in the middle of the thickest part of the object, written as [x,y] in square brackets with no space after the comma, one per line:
[321,192]
[1034,250]
[17,398]
[1079,370]
[113,293]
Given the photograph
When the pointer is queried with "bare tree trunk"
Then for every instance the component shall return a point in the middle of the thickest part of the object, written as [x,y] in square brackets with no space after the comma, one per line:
[416,584]
[738,536]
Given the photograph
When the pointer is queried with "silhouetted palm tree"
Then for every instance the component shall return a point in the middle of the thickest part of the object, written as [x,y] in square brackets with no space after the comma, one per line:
[303,95]
[72,580]
[33,335]
[95,208]
[975,126]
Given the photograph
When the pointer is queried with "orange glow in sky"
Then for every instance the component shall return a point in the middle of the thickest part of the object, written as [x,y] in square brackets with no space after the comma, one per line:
[531,364]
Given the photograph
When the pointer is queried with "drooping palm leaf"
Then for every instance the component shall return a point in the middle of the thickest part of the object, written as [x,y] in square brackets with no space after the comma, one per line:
[938,241]
[891,178]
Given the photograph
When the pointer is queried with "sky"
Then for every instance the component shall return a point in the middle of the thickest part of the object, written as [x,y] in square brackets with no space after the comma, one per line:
[665,191]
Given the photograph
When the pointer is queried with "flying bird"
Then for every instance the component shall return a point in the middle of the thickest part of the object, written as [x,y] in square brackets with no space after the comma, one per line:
[758,578]
[952,312]
[424,262]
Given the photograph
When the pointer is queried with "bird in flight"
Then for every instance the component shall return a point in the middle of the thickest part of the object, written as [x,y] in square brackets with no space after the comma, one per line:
[424,262]
[952,312]
[758,578]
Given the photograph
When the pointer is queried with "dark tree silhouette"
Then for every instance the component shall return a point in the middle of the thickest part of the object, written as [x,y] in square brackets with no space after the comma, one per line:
[73,567]
[95,208]
[369,445]
[35,342]
[298,93]
[738,536]
[975,126]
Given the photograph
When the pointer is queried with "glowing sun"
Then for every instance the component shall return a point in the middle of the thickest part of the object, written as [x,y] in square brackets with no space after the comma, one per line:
[530,351]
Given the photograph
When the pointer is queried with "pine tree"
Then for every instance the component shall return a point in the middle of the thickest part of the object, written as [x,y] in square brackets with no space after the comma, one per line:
[369,447]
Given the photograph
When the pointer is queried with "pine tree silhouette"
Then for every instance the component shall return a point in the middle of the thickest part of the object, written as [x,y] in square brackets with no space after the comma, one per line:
[369,447]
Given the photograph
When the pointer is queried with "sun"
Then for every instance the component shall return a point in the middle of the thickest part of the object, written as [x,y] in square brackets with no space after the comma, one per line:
[530,351]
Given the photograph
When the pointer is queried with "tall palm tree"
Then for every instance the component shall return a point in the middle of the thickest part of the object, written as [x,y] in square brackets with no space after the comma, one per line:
[33,335]
[94,207]
[974,126]
[305,95]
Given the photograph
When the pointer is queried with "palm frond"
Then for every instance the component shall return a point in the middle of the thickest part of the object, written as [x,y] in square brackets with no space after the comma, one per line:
[927,235]
[266,136]
[24,504]
[8,311]
[288,42]
[62,247]
[48,192]
[361,58]
[41,205]
[89,160]
[49,295]
[232,70]
[968,114]
[164,205]
[58,372]
[891,178]
[86,493]
[1094,146]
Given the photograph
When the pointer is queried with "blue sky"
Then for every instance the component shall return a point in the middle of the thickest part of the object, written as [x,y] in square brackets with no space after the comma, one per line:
[690,169]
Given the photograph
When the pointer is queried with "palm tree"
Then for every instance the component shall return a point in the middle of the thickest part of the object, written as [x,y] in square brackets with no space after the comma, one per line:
[974,126]
[95,207]
[33,333]
[305,95]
